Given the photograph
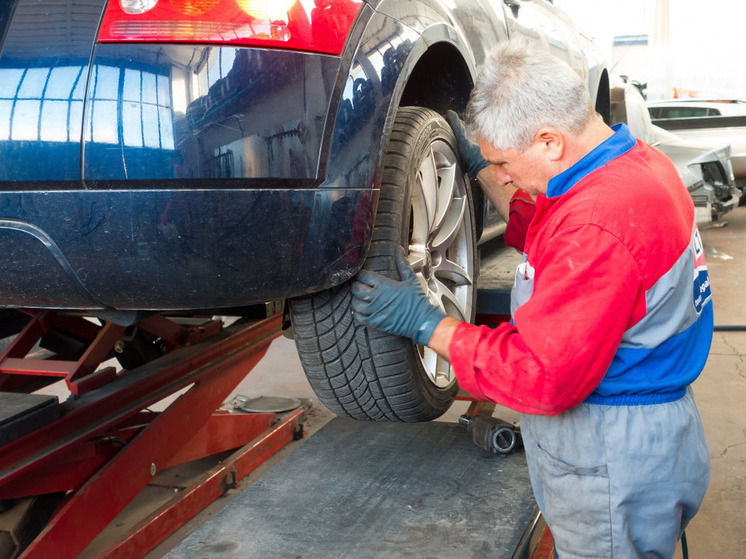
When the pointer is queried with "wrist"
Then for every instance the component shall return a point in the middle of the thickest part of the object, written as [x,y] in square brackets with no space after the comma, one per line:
[428,325]
[476,165]
[440,341]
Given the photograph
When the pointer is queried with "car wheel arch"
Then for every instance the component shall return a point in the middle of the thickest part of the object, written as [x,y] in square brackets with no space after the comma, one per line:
[354,118]
[457,76]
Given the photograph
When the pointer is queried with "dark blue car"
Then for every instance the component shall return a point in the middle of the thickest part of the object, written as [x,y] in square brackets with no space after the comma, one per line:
[200,156]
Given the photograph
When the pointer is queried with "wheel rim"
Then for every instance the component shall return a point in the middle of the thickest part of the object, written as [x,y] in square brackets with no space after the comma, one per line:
[441,250]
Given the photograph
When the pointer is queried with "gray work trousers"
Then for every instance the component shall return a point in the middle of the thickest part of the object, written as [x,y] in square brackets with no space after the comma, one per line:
[618,481]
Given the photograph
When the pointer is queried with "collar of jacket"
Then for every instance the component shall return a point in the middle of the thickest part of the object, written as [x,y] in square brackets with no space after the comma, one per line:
[620,143]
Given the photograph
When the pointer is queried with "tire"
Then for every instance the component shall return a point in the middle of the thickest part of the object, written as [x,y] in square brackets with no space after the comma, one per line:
[364,373]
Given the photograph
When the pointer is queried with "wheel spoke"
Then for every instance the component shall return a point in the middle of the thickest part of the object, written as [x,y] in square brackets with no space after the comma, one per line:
[430,361]
[453,272]
[444,369]
[437,368]
[446,192]
[451,226]
[442,295]
[427,179]
[416,257]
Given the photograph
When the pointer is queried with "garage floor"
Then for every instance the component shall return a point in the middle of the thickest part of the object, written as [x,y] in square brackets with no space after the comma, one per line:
[387,490]
[720,528]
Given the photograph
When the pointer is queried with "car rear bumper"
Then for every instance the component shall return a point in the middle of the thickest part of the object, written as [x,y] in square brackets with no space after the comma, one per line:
[178,249]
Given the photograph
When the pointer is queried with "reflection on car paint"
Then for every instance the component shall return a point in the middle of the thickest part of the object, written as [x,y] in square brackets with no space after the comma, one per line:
[369,85]
[207,112]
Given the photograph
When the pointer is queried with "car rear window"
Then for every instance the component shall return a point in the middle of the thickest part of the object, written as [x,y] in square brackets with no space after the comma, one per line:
[682,112]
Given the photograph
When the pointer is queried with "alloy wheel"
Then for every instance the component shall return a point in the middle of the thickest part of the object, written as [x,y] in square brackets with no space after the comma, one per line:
[440,250]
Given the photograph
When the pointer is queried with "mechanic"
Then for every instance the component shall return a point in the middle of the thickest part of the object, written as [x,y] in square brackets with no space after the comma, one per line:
[611,311]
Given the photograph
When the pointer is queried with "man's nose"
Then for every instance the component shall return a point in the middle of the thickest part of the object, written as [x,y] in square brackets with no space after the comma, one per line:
[502,176]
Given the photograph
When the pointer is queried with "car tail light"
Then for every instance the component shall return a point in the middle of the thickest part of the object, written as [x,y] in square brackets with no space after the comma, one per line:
[307,25]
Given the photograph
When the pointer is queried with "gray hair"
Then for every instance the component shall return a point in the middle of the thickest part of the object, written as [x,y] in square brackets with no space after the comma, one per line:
[519,90]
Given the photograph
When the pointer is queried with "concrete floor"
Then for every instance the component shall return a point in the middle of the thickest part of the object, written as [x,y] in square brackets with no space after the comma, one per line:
[719,531]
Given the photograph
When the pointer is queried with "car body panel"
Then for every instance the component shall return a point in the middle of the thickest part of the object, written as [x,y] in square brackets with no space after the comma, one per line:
[43,72]
[709,131]
[710,122]
[146,176]
[156,248]
[187,176]
[204,112]
[705,169]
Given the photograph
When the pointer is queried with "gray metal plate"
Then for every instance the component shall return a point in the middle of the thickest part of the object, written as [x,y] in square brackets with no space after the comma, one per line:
[372,490]
[264,404]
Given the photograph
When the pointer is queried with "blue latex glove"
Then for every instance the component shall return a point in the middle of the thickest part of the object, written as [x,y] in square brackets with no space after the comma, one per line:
[468,149]
[396,307]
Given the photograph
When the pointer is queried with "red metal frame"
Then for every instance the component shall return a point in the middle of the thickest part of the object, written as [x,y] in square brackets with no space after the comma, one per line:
[18,369]
[106,446]
[545,547]
[157,527]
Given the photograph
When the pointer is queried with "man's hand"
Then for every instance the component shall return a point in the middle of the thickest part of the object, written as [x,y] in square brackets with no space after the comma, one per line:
[396,307]
[477,168]
[468,149]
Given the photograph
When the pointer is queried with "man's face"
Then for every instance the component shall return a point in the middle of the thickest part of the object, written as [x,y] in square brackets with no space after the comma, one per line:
[529,170]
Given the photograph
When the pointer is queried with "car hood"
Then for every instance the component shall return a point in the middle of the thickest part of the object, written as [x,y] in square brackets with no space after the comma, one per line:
[687,152]
[687,156]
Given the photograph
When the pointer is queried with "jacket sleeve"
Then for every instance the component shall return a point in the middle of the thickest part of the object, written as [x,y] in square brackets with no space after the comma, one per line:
[564,337]
[521,212]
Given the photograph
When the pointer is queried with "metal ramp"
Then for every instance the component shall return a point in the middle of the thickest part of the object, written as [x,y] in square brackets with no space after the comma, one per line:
[374,490]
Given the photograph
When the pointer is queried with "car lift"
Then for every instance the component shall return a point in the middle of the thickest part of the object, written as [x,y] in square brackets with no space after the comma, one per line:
[100,448]
[88,457]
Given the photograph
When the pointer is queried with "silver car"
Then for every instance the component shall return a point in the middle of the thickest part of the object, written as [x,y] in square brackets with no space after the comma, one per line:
[699,120]
[705,169]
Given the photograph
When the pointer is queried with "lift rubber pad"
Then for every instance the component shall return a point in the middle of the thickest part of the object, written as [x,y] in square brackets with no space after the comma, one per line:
[374,490]
[21,414]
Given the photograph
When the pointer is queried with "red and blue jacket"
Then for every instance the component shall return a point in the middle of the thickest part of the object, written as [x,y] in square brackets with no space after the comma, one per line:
[611,304]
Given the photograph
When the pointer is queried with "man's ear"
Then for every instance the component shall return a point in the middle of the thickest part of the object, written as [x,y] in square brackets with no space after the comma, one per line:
[551,141]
